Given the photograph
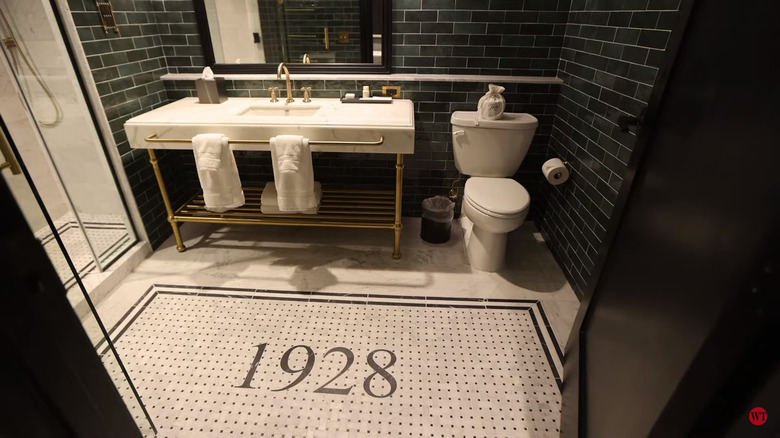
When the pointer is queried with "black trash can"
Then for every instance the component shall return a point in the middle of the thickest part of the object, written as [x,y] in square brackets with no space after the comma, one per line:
[437,216]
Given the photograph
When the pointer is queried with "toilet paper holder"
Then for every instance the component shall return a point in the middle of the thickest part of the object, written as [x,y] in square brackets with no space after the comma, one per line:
[556,171]
[558,174]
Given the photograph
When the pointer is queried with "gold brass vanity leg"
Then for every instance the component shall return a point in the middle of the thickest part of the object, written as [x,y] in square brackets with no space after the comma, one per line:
[167,201]
[397,226]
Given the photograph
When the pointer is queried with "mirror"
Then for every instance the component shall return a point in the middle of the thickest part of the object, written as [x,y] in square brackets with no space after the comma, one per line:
[317,36]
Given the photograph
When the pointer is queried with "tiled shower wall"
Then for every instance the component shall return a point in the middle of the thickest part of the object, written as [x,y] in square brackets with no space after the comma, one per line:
[611,54]
[156,37]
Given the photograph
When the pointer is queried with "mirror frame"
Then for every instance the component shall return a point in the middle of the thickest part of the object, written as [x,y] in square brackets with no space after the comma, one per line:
[300,68]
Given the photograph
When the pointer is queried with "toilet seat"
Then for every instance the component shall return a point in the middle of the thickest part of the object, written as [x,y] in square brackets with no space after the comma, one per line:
[501,198]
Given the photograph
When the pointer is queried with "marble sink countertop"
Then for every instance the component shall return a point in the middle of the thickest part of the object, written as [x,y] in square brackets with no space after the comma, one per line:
[327,120]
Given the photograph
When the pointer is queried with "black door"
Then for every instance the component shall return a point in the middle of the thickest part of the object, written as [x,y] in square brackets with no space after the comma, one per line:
[680,335]
[53,383]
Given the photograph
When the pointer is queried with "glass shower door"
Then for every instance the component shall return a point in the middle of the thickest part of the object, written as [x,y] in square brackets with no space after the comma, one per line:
[42,100]
[19,180]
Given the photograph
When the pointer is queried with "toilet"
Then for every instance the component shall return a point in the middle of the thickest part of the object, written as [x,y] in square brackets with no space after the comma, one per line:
[490,152]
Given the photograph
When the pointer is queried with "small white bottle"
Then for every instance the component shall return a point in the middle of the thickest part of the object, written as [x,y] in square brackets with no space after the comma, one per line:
[366,92]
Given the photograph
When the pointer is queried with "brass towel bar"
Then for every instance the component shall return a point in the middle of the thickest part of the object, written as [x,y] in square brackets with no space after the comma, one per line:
[153,139]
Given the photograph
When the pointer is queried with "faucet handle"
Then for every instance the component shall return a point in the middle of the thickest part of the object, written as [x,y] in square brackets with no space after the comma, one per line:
[306,94]
[274,91]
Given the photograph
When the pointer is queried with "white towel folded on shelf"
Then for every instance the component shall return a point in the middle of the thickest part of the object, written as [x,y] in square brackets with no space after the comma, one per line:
[270,205]
[293,173]
[217,172]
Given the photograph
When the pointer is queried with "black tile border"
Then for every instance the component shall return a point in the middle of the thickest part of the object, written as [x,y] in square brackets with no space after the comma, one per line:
[345,298]
[83,271]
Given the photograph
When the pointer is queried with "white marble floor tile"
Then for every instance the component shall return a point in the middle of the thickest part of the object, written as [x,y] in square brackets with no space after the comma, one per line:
[214,361]
[330,263]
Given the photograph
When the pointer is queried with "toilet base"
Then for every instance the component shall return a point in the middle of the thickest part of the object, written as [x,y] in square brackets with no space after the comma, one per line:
[486,250]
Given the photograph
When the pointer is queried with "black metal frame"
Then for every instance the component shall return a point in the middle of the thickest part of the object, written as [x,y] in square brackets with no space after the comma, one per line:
[575,398]
[383,68]
[708,400]
[38,327]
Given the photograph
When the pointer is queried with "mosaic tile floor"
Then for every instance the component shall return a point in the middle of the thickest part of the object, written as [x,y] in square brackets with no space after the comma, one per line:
[208,344]
[228,361]
[107,234]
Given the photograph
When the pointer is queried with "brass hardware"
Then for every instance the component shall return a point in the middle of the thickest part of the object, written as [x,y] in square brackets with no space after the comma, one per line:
[10,43]
[453,195]
[274,91]
[397,226]
[343,36]
[107,16]
[167,201]
[331,213]
[152,138]
[299,10]
[391,90]
[301,35]
[327,39]
[306,94]
[287,75]
[8,156]
[378,209]
[306,59]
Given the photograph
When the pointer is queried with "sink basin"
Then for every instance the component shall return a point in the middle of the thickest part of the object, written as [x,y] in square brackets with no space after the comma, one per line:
[287,110]
[329,124]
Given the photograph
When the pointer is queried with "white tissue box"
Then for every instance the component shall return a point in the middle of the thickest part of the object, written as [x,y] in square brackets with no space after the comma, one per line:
[211,91]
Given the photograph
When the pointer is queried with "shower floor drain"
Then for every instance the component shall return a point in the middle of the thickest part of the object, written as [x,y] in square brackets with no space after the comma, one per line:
[242,362]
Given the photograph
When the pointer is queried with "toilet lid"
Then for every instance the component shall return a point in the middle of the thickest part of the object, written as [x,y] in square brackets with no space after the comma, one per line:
[503,196]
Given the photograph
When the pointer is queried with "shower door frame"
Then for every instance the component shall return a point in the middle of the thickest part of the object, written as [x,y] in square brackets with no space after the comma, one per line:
[96,115]
[60,384]
[19,254]
[83,73]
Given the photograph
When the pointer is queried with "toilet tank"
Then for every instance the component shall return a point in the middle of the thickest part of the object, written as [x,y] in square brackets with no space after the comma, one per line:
[491,148]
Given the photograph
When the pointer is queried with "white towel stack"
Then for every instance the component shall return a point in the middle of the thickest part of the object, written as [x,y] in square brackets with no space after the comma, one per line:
[293,173]
[270,205]
[217,172]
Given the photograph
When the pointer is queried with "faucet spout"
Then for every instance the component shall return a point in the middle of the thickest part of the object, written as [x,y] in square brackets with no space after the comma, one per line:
[289,85]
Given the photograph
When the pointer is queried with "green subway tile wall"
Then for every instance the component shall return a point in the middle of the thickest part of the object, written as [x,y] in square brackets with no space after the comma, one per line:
[606,51]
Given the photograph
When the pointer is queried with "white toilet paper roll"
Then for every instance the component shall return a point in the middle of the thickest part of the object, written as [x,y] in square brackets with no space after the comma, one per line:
[555,171]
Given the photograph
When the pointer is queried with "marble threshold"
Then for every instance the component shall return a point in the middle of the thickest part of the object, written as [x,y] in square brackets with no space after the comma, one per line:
[349,261]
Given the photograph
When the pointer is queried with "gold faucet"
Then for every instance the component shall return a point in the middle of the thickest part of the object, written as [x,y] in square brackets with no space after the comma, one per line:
[289,85]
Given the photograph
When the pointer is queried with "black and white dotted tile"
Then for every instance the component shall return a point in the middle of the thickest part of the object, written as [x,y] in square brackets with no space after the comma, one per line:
[214,361]
[107,234]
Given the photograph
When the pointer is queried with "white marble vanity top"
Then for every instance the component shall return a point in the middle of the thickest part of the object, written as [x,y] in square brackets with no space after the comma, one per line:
[324,120]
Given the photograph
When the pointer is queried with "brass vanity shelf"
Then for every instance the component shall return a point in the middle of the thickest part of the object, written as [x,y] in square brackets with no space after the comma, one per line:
[338,208]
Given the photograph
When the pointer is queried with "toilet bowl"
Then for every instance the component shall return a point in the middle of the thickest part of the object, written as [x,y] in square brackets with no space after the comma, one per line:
[490,152]
[496,206]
